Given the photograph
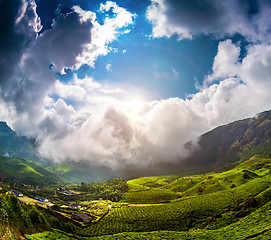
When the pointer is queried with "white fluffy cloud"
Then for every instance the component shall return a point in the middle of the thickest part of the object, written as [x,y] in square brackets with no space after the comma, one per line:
[256,67]
[103,34]
[117,133]
[108,67]
[108,124]
[226,61]
[30,62]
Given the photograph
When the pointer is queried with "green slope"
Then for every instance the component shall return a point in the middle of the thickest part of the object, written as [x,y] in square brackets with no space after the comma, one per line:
[217,206]
[80,172]
[19,170]
[13,145]
[147,189]
[242,211]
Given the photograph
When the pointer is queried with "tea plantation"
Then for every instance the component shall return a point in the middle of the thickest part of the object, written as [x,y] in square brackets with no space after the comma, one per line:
[234,204]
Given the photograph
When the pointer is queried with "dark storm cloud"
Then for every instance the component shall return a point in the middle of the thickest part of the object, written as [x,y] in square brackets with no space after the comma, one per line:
[15,38]
[30,60]
[195,14]
[25,72]
[63,42]
[189,18]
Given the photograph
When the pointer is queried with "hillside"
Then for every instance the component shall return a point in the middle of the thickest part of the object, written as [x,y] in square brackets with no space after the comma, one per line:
[234,204]
[22,171]
[80,172]
[227,145]
[13,145]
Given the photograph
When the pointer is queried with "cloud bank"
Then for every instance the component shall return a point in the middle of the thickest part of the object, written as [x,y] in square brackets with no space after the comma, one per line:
[187,19]
[108,124]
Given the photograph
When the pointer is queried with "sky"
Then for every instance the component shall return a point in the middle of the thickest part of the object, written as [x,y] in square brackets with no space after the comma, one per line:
[127,84]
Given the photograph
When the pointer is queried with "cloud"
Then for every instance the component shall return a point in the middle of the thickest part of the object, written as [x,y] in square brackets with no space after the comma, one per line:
[27,76]
[117,132]
[30,62]
[103,34]
[68,91]
[170,75]
[108,124]
[175,73]
[221,18]
[62,109]
[246,82]
[255,69]
[226,61]
[108,67]
[16,35]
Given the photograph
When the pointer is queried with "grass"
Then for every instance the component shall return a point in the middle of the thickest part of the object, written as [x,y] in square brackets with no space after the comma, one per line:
[256,225]
[26,172]
[77,173]
[150,196]
[96,208]
[32,201]
[167,188]
[220,210]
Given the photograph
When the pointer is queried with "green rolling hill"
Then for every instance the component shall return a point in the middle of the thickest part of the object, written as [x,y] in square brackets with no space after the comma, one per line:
[13,145]
[80,172]
[22,171]
[234,204]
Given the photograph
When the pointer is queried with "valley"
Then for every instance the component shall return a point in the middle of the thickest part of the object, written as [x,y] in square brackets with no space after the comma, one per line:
[135,120]
[233,204]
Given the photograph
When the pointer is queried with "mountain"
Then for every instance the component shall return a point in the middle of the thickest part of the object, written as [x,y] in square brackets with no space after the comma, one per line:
[13,145]
[16,153]
[219,149]
[227,145]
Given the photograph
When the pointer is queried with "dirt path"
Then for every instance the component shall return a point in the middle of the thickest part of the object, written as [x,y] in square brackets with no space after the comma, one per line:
[145,204]
[109,211]
[32,201]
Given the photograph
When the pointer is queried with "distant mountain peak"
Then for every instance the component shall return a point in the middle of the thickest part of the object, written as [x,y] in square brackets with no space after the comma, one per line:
[224,146]
[5,128]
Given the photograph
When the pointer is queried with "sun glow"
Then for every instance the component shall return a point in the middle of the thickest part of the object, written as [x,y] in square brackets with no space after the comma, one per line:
[135,104]
[134,107]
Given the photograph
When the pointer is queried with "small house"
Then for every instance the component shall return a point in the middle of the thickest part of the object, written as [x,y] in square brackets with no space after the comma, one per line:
[17,193]
[41,199]
[68,192]
[74,205]
[81,217]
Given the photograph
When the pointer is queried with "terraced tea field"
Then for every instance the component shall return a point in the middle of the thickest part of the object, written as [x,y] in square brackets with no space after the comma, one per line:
[211,206]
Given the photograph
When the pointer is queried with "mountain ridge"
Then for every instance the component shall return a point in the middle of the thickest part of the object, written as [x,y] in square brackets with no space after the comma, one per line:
[227,145]
[25,172]
[13,145]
